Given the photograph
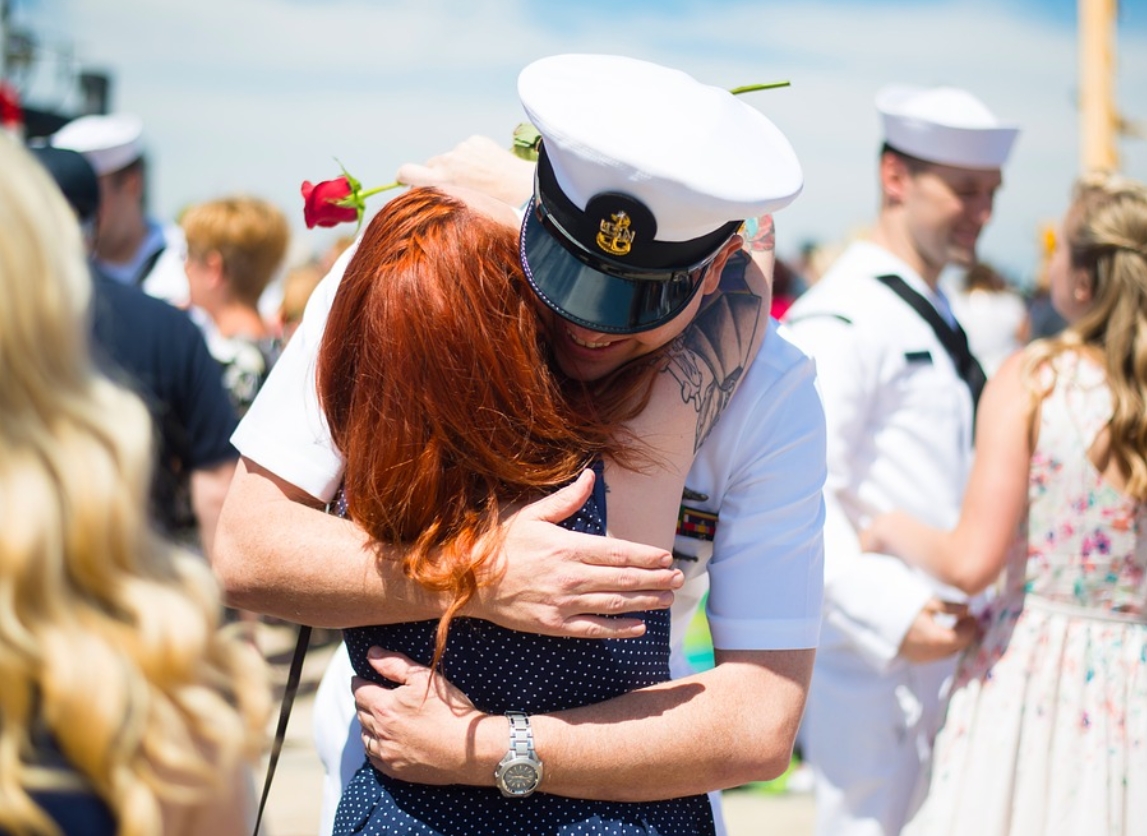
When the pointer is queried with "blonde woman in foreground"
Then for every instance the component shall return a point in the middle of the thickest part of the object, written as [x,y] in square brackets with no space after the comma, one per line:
[123,709]
[1046,730]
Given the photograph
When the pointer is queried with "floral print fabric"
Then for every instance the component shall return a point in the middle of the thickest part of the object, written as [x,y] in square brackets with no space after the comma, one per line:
[1046,730]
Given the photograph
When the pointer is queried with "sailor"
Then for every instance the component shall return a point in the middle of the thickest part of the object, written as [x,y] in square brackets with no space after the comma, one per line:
[899,388]
[129,247]
[634,197]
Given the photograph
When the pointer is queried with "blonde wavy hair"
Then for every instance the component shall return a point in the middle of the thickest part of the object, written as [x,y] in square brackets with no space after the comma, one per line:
[109,636]
[1106,229]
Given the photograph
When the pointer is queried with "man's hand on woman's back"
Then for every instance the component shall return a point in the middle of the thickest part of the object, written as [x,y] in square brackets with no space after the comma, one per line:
[562,583]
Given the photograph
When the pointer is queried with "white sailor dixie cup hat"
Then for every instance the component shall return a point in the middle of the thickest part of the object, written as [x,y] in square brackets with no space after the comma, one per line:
[644,174]
[944,125]
[109,142]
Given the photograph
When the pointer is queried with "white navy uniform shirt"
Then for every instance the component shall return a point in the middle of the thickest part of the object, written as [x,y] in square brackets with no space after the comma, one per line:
[899,436]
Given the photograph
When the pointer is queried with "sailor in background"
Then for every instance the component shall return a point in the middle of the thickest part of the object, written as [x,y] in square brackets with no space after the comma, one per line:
[899,388]
[130,247]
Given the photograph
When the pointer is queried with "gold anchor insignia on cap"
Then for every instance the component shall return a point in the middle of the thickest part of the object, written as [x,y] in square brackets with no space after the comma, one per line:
[615,236]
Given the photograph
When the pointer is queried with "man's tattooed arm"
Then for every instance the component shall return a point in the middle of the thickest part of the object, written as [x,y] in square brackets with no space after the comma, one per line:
[711,356]
[704,366]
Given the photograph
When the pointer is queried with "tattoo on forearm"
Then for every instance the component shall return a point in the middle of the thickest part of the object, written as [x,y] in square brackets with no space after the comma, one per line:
[710,357]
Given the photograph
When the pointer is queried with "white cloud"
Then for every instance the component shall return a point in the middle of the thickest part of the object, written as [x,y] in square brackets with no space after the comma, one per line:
[260,94]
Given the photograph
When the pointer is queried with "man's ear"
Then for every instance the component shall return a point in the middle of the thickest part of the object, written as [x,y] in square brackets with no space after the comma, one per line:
[894,177]
[713,274]
[133,183]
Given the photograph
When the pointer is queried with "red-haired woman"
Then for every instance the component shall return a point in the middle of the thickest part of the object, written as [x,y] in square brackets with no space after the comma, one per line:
[439,390]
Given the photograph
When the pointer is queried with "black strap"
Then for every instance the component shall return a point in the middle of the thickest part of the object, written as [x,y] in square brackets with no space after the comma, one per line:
[292,688]
[954,340]
[147,266]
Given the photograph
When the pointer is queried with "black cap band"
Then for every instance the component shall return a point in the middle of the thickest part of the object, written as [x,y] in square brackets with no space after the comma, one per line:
[618,229]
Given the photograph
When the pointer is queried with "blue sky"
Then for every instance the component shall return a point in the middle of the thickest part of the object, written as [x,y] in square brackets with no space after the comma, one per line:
[258,95]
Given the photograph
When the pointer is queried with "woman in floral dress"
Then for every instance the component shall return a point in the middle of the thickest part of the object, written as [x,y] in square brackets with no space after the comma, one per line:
[1046,730]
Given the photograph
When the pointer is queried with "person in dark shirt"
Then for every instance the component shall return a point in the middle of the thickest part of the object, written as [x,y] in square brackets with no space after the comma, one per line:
[159,352]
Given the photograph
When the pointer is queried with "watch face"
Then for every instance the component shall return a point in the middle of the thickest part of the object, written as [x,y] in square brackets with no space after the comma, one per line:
[520,777]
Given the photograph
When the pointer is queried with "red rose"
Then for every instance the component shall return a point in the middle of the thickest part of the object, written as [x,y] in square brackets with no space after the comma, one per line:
[11,112]
[321,207]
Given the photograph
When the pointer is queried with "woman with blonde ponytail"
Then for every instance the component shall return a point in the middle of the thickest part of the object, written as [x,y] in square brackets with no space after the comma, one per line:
[123,708]
[1046,730]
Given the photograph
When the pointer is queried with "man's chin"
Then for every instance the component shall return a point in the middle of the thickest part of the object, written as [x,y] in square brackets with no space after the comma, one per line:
[961,256]
[577,371]
[586,370]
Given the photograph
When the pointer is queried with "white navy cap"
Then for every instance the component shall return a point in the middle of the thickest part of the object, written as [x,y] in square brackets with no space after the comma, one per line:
[944,125]
[108,142]
[644,174]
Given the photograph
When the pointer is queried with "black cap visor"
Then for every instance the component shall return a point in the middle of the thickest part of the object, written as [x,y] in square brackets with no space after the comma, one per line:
[594,292]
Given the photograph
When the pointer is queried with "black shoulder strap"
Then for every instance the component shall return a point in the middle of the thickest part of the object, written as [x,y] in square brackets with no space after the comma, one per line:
[954,340]
[289,692]
[147,266]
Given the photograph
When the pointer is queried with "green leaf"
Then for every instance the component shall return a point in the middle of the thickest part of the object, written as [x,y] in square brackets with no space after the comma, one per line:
[527,140]
[751,88]
[355,185]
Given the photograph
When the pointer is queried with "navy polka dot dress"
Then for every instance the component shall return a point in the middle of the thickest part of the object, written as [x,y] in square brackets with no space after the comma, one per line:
[502,670]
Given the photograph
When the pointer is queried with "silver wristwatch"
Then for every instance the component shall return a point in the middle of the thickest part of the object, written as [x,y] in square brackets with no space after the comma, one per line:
[519,772]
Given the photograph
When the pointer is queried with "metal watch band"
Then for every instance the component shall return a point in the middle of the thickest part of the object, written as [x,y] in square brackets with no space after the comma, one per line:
[521,735]
[520,772]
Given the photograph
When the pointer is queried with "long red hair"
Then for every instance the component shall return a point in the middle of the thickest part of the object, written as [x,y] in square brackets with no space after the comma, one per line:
[437,387]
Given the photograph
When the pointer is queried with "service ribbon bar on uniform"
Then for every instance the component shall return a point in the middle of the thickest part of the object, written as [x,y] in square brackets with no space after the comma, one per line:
[700,525]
